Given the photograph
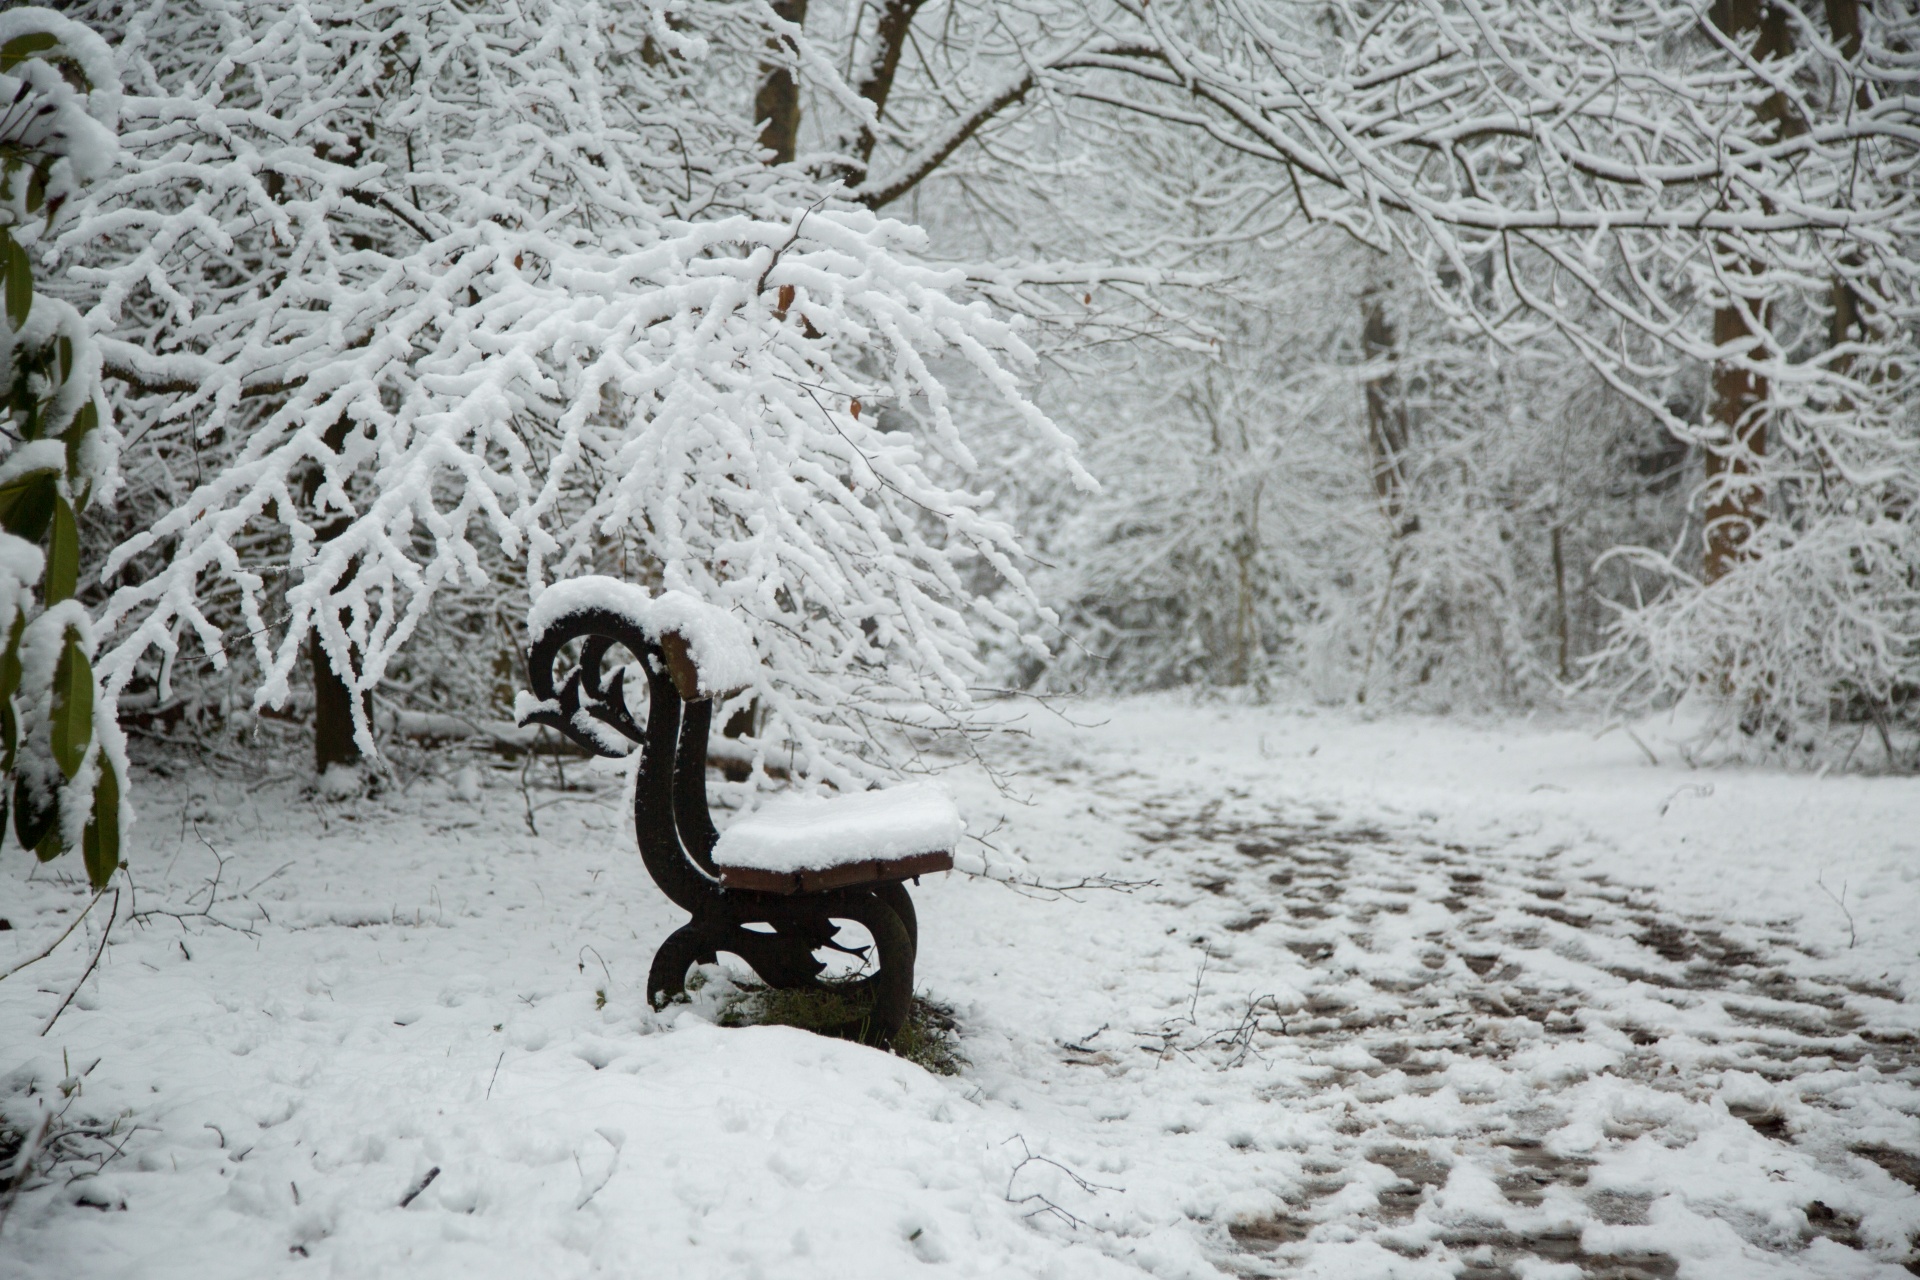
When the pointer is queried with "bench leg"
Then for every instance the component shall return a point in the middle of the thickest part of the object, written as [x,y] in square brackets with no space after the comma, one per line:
[890,986]
[690,944]
[895,895]
[784,959]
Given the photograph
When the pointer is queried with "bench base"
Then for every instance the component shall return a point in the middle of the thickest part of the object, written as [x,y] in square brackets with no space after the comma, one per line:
[847,875]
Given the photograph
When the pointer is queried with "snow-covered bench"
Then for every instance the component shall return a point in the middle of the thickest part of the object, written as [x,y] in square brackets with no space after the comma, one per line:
[802,844]
[783,880]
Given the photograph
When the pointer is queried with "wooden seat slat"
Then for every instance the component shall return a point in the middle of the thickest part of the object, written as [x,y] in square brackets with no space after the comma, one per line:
[843,876]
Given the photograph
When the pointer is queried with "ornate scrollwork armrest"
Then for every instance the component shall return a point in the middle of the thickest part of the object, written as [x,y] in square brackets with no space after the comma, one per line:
[585,710]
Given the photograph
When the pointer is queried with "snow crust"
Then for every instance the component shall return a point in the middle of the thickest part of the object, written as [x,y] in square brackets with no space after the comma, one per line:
[720,644]
[813,833]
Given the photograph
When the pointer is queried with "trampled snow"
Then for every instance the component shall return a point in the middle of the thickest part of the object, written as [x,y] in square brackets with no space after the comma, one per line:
[813,833]
[1389,999]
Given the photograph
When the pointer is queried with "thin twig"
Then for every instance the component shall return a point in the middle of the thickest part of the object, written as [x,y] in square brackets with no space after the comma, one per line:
[581,957]
[270,875]
[526,796]
[420,1186]
[57,941]
[1046,1205]
[1652,759]
[496,1074]
[98,952]
[213,896]
[1841,902]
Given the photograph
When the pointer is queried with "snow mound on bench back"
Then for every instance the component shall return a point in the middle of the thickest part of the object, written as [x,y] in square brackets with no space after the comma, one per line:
[719,643]
[814,833]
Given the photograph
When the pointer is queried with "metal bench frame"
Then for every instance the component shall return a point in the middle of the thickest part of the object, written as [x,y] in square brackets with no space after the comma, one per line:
[776,934]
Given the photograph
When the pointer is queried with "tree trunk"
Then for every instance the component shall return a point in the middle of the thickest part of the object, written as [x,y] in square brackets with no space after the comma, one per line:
[333,741]
[1843,22]
[1386,415]
[1387,431]
[776,107]
[1560,596]
[1736,499]
[876,85]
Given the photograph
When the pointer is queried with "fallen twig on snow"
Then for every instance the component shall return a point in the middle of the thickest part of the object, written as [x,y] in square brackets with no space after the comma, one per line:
[420,1186]
[57,941]
[1033,888]
[98,952]
[496,1074]
[213,896]
[1046,1205]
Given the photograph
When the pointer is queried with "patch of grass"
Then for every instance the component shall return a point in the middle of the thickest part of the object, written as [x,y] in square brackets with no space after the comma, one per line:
[929,1039]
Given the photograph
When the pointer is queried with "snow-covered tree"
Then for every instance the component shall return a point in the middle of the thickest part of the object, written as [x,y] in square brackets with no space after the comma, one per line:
[1678,195]
[408,307]
[405,299]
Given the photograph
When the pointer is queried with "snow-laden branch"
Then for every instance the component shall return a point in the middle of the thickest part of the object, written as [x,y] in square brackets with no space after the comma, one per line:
[402,289]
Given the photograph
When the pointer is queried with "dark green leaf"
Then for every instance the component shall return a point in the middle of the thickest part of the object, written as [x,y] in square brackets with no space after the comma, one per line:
[35,806]
[19,285]
[63,555]
[49,847]
[26,503]
[65,349]
[72,718]
[100,843]
[9,747]
[20,48]
[75,435]
[37,186]
[10,659]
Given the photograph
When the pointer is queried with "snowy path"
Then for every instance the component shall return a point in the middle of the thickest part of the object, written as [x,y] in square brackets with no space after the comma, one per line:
[1399,1002]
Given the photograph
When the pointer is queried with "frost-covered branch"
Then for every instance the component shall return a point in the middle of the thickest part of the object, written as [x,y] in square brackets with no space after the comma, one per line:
[403,297]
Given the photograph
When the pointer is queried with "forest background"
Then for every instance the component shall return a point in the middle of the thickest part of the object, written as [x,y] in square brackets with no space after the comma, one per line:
[1461,355]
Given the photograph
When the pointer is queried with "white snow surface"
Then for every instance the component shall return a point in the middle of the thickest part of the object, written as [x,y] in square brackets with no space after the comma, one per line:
[812,833]
[1401,998]
[719,643]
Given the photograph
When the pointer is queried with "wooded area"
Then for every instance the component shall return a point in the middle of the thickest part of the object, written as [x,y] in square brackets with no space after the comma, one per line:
[1452,355]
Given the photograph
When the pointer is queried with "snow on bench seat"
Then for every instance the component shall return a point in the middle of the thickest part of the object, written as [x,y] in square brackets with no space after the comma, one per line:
[809,844]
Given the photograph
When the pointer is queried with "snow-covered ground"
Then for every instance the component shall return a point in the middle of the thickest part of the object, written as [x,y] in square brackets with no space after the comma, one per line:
[1403,998]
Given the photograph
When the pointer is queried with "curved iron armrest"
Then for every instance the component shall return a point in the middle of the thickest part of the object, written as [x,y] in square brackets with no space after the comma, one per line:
[675,830]
[677,836]
[563,708]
